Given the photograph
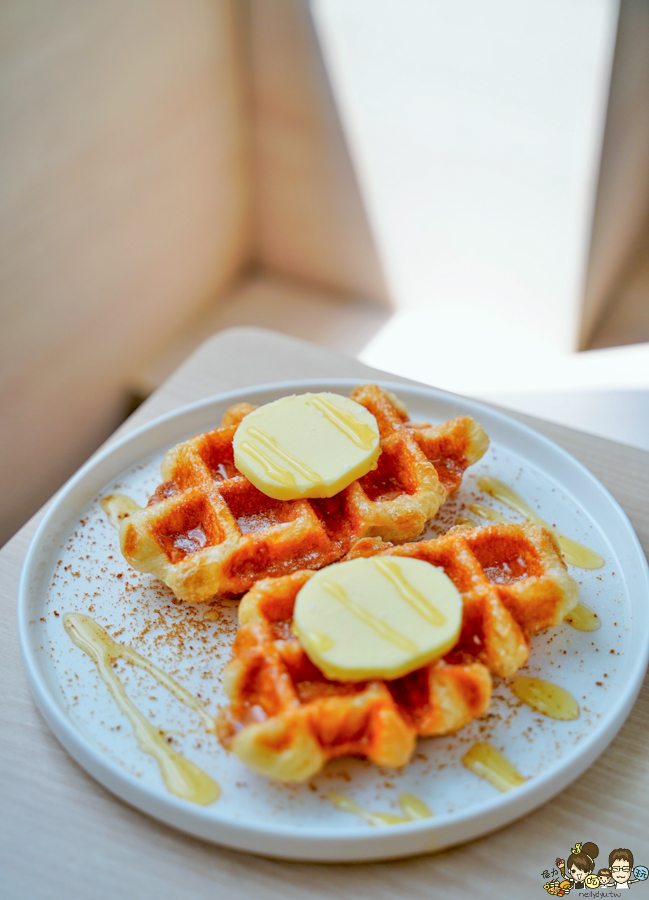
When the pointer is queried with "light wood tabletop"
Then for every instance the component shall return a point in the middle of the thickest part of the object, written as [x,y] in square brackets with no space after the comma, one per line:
[64,836]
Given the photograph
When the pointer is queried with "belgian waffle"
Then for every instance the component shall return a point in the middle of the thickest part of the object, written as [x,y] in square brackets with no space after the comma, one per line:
[513,583]
[207,530]
[285,719]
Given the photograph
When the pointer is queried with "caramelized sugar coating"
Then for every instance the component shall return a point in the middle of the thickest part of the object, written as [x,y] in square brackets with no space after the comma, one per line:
[207,530]
[513,583]
[285,719]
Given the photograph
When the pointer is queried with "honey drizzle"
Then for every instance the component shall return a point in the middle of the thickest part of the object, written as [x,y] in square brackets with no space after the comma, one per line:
[583,618]
[381,628]
[272,444]
[413,809]
[359,433]
[389,568]
[118,507]
[322,642]
[547,698]
[487,762]
[486,512]
[181,777]
[574,553]
[272,470]
[466,522]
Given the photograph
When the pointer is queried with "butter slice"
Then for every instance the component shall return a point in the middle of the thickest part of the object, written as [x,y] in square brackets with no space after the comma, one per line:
[307,445]
[378,617]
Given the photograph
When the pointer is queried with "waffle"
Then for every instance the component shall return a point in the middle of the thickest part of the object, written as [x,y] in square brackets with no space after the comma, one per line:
[513,582]
[286,720]
[207,530]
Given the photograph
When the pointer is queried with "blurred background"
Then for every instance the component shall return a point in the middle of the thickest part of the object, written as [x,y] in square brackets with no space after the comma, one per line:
[455,192]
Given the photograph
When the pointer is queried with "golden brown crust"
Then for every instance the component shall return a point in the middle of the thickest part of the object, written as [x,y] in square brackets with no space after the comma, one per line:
[285,719]
[207,530]
[513,582]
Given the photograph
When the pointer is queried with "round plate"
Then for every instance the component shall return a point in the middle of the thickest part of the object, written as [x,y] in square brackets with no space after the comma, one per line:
[74,564]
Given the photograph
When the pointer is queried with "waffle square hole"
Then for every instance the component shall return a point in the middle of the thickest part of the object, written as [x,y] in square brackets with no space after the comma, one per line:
[384,483]
[332,515]
[505,559]
[216,452]
[411,694]
[449,473]
[255,511]
[446,450]
[188,529]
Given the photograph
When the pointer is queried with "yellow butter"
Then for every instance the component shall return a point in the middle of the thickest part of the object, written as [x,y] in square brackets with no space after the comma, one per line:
[380,617]
[307,445]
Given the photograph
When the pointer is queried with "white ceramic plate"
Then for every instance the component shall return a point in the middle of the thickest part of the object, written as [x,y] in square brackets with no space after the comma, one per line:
[74,565]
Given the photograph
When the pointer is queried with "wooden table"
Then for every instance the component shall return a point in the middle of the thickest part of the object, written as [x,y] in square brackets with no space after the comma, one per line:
[64,836]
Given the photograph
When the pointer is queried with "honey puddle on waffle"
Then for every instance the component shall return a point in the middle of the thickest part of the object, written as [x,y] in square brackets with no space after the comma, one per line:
[413,808]
[181,777]
[573,552]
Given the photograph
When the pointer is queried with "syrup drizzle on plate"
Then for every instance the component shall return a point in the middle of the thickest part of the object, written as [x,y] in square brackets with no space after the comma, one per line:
[413,809]
[180,775]
[547,698]
[490,764]
[583,618]
[118,507]
[573,552]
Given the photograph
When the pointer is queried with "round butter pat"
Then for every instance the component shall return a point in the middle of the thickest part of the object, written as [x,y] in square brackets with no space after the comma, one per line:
[309,445]
[380,617]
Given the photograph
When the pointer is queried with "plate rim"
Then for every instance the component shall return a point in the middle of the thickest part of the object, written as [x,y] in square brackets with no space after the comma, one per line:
[342,843]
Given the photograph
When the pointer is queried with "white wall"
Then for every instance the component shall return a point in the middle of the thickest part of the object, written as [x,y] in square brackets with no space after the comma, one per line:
[476,130]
